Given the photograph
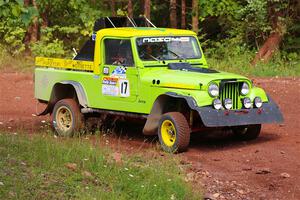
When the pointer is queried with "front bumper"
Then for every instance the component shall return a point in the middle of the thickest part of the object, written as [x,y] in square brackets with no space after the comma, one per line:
[268,113]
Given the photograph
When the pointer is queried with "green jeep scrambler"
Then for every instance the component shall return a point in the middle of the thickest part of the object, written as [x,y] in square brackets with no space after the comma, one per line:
[133,69]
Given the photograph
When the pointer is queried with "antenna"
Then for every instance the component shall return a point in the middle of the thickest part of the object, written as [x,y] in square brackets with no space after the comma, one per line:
[131,21]
[134,21]
[149,22]
[111,22]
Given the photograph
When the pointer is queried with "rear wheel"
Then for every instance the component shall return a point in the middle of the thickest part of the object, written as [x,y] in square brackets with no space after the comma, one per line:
[66,117]
[174,132]
[249,132]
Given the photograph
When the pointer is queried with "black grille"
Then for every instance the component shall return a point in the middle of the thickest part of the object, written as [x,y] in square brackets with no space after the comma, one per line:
[231,90]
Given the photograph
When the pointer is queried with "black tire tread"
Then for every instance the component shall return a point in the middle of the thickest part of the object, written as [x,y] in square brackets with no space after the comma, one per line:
[182,130]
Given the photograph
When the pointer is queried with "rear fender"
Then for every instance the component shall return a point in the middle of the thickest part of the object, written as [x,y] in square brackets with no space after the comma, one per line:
[66,89]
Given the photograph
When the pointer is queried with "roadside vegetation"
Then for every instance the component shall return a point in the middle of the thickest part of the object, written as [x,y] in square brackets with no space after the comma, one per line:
[43,167]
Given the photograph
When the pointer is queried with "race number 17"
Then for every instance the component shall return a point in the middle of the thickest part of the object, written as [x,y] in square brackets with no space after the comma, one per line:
[124,88]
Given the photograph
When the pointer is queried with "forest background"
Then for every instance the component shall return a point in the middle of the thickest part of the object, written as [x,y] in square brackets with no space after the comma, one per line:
[254,37]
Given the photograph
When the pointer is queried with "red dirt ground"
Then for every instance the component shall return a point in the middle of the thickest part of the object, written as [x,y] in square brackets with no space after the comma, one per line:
[267,168]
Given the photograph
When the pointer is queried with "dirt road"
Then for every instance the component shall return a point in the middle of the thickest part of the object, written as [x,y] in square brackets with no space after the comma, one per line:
[267,168]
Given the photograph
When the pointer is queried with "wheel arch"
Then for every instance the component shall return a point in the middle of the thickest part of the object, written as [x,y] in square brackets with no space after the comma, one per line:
[66,89]
[163,104]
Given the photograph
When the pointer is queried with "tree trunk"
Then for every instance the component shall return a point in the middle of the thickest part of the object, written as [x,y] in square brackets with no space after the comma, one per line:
[147,9]
[130,9]
[113,8]
[183,14]
[35,25]
[33,29]
[173,15]
[195,18]
[271,45]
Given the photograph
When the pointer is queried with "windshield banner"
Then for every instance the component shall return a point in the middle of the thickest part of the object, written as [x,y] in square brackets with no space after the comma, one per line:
[165,39]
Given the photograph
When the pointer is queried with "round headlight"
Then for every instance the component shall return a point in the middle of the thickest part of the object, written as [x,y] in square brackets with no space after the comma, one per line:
[245,89]
[257,102]
[228,104]
[247,102]
[213,90]
[217,104]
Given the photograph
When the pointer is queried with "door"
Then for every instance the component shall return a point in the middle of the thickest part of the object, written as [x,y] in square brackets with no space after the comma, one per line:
[119,74]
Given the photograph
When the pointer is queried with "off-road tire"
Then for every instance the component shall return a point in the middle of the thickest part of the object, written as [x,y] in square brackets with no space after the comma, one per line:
[249,132]
[76,122]
[182,137]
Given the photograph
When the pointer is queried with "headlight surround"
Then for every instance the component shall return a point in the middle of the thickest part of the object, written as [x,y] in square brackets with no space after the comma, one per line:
[213,90]
[257,102]
[245,88]
[247,102]
[217,104]
[228,104]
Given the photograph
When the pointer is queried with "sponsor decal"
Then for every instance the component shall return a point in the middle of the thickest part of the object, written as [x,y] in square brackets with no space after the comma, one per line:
[115,86]
[109,80]
[166,39]
[110,90]
[106,70]
[120,72]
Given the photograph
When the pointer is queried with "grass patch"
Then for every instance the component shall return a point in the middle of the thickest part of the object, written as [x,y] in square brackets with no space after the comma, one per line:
[42,167]
[19,63]
[236,59]
[241,65]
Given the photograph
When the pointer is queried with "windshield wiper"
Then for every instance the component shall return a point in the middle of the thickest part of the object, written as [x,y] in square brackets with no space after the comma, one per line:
[178,56]
[155,58]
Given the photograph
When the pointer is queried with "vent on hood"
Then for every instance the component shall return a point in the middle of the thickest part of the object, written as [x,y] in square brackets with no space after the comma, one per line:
[187,67]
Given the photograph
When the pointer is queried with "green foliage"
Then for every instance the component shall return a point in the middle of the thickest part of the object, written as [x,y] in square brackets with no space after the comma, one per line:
[54,48]
[14,18]
[34,167]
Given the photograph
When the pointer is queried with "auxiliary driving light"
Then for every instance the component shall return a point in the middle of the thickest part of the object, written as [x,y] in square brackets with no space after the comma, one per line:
[217,104]
[228,104]
[245,89]
[247,102]
[257,102]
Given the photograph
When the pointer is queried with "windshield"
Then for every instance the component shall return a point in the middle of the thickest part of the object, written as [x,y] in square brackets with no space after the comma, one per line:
[168,48]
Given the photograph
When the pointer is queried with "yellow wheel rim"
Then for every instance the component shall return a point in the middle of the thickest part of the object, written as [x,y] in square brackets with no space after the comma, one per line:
[168,133]
[64,118]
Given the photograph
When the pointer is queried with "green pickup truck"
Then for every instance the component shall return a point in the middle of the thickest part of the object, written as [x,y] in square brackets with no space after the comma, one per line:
[131,68]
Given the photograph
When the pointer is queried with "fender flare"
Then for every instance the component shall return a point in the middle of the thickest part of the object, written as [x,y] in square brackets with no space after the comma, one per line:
[153,118]
[80,93]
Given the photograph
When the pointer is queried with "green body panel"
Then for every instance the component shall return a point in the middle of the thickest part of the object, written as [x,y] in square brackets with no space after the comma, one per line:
[143,88]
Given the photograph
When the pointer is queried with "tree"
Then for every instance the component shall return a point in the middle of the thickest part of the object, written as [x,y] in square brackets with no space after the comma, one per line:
[147,9]
[173,15]
[113,8]
[278,14]
[195,16]
[33,30]
[130,8]
[183,14]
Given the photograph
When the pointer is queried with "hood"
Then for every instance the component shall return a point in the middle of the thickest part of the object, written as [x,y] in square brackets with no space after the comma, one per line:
[185,79]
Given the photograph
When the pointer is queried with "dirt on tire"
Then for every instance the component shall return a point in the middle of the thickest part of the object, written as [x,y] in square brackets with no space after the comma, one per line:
[218,164]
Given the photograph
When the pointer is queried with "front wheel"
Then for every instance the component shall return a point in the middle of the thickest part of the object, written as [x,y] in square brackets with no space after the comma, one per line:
[66,117]
[249,132]
[174,132]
